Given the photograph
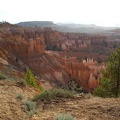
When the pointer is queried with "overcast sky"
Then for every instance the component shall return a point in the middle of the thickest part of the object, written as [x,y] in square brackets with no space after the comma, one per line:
[99,12]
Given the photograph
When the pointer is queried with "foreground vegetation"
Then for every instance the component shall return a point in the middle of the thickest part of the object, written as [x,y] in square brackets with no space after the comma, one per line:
[53,94]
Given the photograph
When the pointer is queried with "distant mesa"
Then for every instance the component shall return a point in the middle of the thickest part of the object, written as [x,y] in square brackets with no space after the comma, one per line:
[36,23]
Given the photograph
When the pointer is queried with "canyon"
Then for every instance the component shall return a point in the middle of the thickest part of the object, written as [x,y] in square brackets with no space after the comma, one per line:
[57,57]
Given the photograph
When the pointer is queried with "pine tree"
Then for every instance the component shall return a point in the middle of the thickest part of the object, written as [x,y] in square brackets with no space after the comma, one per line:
[110,85]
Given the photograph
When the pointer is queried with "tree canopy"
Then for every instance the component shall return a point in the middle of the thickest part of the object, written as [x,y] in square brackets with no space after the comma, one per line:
[110,84]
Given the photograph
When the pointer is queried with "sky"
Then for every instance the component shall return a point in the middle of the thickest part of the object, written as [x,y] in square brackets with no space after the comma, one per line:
[98,12]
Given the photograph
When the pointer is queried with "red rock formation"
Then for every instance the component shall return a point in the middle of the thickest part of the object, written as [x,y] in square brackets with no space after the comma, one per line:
[86,74]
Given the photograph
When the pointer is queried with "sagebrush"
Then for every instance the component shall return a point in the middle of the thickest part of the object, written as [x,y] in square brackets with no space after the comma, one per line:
[19,96]
[29,107]
[64,117]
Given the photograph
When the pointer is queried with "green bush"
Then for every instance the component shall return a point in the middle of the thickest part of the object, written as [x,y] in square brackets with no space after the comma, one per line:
[53,94]
[64,117]
[41,88]
[104,89]
[2,76]
[29,107]
[29,78]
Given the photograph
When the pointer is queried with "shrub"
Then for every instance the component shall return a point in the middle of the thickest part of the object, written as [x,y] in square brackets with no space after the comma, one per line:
[2,76]
[53,94]
[64,117]
[29,107]
[104,89]
[29,78]
[19,97]
[72,86]
[87,95]
[41,88]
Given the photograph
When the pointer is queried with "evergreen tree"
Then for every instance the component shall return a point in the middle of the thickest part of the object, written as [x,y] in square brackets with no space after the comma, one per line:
[110,85]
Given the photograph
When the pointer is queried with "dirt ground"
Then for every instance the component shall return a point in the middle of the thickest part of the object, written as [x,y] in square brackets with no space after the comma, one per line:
[83,108]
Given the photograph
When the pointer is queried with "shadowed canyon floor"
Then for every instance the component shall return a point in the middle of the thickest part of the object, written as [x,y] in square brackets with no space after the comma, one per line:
[81,107]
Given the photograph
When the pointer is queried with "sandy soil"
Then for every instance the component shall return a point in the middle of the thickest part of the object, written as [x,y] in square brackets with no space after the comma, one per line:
[83,108]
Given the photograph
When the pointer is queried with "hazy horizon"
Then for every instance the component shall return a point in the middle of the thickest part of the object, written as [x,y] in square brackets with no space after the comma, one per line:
[98,12]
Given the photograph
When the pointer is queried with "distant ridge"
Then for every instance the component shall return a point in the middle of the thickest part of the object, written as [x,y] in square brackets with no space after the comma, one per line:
[36,23]
[68,27]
